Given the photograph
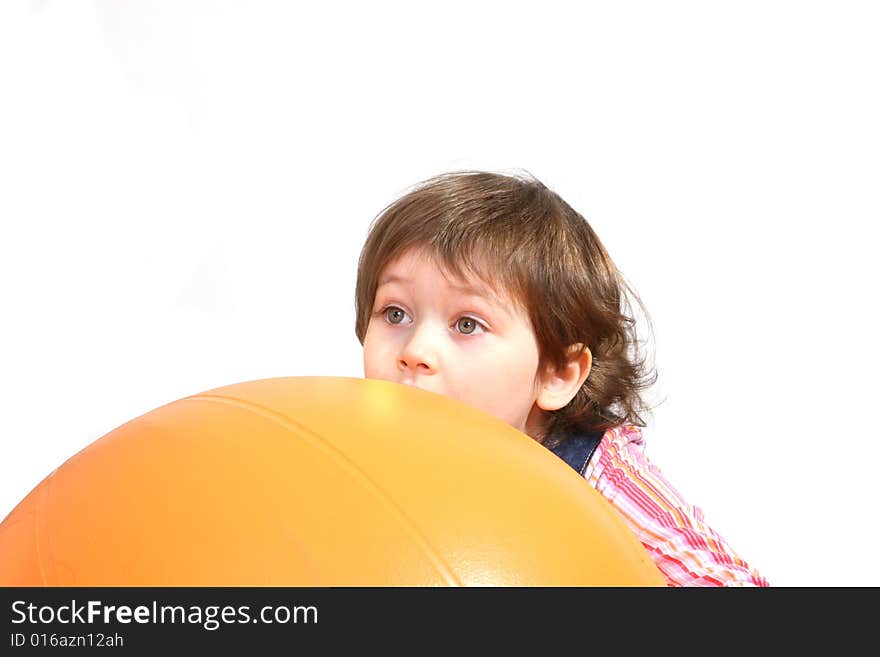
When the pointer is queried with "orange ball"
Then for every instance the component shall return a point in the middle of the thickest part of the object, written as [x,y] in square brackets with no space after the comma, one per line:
[317,481]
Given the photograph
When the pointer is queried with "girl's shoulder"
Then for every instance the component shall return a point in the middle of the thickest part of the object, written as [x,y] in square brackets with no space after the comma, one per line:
[619,444]
[621,456]
[583,450]
[686,549]
[624,436]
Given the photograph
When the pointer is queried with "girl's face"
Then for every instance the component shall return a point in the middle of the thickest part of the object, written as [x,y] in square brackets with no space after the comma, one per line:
[453,337]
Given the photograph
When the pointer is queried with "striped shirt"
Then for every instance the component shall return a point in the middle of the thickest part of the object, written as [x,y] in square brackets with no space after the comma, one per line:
[686,550]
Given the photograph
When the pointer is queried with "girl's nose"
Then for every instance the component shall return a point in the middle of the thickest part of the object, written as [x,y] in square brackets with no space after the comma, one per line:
[419,353]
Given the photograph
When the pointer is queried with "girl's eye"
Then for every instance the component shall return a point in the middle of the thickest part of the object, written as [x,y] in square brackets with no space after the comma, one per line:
[467,325]
[394,315]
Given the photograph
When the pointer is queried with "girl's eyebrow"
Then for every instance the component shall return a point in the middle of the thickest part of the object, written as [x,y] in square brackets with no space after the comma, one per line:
[476,290]
[471,289]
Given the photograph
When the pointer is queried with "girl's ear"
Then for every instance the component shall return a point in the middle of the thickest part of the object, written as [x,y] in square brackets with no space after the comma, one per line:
[559,386]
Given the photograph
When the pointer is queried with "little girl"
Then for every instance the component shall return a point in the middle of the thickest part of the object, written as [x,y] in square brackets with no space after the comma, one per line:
[492,290]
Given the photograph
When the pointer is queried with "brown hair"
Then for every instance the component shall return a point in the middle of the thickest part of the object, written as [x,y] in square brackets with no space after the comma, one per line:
[523,239]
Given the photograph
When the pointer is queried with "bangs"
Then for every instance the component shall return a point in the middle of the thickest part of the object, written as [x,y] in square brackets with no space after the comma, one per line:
[478,260]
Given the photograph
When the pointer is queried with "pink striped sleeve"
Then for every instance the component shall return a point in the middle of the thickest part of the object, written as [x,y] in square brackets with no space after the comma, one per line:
[686,550]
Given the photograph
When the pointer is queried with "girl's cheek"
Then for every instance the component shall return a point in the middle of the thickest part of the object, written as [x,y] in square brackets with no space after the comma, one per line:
[383,337]
[469,342]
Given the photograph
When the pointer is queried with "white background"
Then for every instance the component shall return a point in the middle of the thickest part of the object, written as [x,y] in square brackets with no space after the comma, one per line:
[185,187]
